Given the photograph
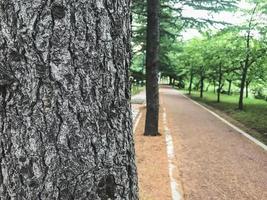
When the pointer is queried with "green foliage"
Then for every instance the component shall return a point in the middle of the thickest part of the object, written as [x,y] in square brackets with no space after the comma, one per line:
[172,22]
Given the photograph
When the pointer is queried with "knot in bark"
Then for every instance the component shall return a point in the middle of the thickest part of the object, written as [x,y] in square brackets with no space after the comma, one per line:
[58,11]
[107,187]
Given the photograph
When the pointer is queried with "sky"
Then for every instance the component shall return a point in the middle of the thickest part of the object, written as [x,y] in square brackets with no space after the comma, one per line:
[233,18]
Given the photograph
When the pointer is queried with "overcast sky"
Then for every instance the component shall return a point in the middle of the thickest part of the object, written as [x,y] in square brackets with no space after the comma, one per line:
[234,18]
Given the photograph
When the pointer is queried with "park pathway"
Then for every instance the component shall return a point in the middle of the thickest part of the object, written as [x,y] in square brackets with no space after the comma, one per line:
[214,161]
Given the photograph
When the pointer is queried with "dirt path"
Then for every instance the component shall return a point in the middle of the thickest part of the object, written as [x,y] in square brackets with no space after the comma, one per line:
[215,161]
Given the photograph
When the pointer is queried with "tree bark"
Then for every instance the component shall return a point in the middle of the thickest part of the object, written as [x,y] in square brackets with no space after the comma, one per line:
[65,118]
[152,65]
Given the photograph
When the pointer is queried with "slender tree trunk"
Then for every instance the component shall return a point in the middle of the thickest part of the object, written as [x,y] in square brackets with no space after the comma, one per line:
[65,118]
[229,87]
[220,83]
[152,65]
[247,62]
[201,86]
[242,86]
[191,82]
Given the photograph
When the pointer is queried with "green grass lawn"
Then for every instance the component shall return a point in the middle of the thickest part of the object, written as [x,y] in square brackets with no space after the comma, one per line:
[253,116]
[136,89]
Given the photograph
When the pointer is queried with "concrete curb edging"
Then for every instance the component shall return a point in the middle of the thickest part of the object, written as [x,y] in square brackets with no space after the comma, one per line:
[257,142]
[139,115]
[175,187]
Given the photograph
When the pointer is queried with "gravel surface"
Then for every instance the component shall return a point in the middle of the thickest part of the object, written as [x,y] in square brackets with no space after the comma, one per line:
[152,163]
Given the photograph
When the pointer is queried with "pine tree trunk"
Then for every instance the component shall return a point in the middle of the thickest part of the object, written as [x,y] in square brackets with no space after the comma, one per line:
[152,65]
[66,128]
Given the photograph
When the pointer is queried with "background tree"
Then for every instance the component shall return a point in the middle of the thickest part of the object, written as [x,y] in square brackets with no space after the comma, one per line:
[252,54]
[65,118]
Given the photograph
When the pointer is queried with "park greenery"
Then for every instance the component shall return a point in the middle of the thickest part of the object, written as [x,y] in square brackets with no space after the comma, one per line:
[225,60]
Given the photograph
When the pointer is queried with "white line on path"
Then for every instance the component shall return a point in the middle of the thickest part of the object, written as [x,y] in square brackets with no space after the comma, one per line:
[139,115]
[230,124]
[176,195]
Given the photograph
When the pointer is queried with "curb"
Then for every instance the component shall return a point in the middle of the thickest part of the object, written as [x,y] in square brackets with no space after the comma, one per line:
[175,185]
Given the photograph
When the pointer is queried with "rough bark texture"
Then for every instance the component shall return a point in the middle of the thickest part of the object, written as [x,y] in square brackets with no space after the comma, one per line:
[65,119]
[152,65]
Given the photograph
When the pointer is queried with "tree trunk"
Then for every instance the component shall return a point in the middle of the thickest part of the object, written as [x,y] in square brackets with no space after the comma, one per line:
[201,86]
[247,62]
[152,65]
[229,87]
[242,86]
[220,83]
[191,82]
[66,128]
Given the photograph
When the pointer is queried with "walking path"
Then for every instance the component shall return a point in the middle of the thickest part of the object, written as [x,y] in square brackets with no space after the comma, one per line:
[214,160]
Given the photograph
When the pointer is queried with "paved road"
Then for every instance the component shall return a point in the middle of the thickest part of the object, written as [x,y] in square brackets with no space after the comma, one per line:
[215,162]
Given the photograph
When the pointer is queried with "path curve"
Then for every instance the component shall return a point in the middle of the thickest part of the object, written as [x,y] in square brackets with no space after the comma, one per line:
[215,161]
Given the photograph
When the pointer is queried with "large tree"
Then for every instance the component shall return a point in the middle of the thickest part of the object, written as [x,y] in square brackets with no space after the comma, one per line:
[65,118]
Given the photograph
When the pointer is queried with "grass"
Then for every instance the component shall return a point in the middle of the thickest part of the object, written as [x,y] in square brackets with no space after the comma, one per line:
[136,89]
[254,115]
